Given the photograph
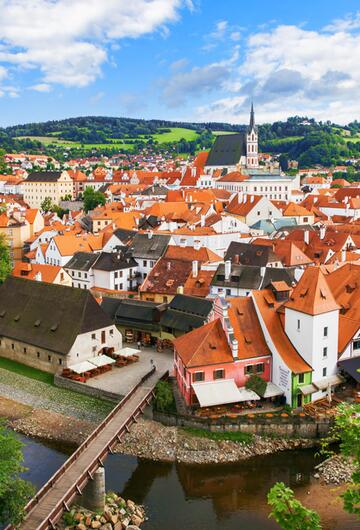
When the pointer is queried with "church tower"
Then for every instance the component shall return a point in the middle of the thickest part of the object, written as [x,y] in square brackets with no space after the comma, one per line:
[252,159]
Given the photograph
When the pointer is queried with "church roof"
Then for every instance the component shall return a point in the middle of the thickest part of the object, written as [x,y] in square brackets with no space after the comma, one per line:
[227,150]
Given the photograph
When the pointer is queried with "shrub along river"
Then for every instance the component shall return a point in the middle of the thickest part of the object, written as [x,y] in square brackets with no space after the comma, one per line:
[183,497]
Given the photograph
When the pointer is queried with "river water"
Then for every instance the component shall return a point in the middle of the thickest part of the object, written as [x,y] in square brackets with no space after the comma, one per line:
[182,497]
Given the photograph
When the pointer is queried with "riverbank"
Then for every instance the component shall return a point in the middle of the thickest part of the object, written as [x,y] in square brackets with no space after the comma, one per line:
[146,439]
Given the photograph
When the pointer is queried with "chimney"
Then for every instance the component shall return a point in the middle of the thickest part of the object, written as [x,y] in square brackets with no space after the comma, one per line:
[150,234]
[202,222]
[322,232]
[252,198]
[227,269]
[38,277]
[236,259]
[180,289]
[343,255]
[169,265]
[234,348]
[195,268]
[183,243]
[262,271]
[197,244]
[307,236]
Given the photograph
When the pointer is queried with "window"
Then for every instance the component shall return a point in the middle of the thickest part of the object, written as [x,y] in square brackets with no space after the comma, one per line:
[248,369]
[116,274]
[94,349]
[356,344]
[260,368]
[24,350]
[324,372]
[12,346]
[298,325]
[103,336]
[60,361]
[219,374]
[38,354]
[301,378]
[111,333]
[49,358]
[93,336]
[325,331]
[325,352]
[145,262]
[198,376]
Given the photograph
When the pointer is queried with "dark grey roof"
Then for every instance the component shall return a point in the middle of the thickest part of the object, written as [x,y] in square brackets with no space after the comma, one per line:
[124,235]
[82,261]
[133,313]
[251,277]
[227,150]
[192,305]
[149,246]
[47,315]
[179,321]
[247,254]
[352,367]
[114,261]
[44,176]
[152,221]
[156,189]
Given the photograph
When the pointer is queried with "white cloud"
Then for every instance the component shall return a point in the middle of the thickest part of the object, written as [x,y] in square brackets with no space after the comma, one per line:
[41,87]
[289,70]
[68,39]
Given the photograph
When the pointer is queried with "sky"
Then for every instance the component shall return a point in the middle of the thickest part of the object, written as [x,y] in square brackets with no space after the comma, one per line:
[191,60]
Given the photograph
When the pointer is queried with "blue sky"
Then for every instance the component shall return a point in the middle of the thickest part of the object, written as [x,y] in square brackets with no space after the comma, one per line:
[193,60]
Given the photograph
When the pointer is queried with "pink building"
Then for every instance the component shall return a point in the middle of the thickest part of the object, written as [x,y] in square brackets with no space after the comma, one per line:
[230,348]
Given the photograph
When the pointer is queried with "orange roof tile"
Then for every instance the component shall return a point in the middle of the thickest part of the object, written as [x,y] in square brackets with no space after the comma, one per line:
[312,295]
[247,329]
[30,270]
[204,346]
[267,305]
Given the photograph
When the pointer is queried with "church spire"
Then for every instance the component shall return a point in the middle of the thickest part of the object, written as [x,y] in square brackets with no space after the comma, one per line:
[252,118]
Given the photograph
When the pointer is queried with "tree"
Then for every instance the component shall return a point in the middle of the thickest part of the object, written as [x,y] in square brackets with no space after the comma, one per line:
[93,198]
[257,384]
[14,491]
[288,512]
[46,205]
[5,259]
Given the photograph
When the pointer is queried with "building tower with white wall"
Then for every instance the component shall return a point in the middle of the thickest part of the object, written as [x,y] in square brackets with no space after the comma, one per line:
[252,159]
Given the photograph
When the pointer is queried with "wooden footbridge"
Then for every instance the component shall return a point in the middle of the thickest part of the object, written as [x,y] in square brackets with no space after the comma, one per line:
[46,507]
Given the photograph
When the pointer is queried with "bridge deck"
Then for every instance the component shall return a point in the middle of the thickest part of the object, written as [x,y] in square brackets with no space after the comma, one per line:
[44,508]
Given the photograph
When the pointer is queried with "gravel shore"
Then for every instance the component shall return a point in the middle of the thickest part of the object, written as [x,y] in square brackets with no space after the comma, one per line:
[151,440]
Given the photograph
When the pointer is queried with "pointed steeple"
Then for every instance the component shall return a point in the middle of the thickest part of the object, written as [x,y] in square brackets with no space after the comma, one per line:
[252,118]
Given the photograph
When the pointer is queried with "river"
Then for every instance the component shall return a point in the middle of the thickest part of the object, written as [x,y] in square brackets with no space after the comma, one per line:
[182,497]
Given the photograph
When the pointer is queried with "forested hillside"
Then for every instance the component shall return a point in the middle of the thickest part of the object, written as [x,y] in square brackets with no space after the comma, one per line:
[298,138]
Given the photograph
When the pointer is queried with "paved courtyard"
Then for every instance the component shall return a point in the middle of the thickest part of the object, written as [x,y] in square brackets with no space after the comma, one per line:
[122,380]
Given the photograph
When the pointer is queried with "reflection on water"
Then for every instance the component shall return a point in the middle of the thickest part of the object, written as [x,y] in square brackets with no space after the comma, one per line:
[178,497]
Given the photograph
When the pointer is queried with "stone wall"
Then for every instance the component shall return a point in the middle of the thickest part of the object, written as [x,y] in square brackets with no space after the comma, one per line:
[292,426]
[83,388]
[30,355]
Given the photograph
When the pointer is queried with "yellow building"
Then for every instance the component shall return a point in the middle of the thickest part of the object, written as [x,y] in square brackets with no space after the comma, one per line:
[16,229]
[40,185]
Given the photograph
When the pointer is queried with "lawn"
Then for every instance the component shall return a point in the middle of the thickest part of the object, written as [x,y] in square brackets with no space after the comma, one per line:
[27,371]
[175,134]
[220,133]
[239,437]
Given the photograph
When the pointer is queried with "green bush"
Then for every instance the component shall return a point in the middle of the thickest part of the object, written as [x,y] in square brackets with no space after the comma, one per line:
[164,397]
[257,384]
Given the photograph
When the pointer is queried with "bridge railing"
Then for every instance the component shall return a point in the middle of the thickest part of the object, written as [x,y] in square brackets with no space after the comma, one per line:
[48,485]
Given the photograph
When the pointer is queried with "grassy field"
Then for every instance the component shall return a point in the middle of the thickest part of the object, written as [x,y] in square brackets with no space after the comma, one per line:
[240,437]
[27,371]
[175,134]
[220,133]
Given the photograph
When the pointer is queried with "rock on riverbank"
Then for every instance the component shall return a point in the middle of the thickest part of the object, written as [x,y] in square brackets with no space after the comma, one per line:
[118,515]
[151,440]
[335,470]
